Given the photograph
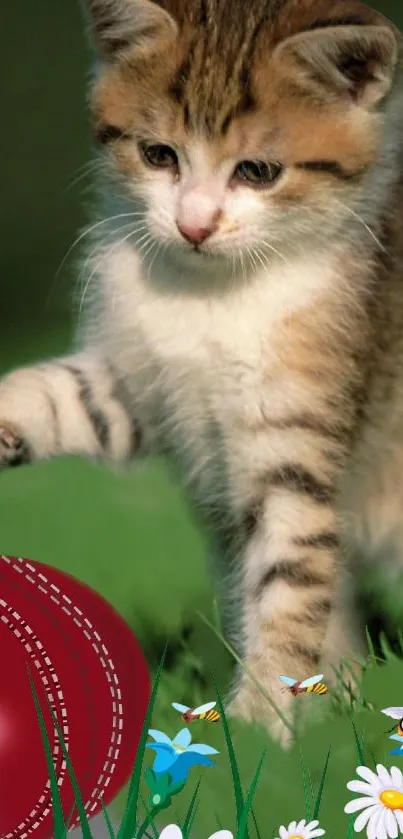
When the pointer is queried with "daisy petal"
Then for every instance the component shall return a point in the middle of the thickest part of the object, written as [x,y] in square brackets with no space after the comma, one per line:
[315,833]
[397,776]
[311,825]
[171,831]
[367,774]
[292,827]
[222,834]
[359,804]
[360,786]
[399,819]
[182,739]
[376,827]
[364,817]
[283,832]
[383,774]
[391,825]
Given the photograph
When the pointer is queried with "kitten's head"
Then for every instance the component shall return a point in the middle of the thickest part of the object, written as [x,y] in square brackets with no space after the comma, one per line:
[240,127]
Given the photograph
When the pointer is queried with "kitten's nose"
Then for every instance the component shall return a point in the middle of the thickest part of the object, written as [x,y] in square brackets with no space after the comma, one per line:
[194,234]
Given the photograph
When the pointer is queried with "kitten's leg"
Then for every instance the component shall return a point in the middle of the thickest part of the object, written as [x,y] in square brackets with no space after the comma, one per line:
[290,568]
[72,405]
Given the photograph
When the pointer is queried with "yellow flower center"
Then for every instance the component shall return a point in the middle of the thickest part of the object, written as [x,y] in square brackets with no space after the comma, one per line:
[180,749]
[294,836]
[392,799]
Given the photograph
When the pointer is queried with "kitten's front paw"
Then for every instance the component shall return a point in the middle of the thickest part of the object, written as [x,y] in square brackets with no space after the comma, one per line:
[250,705]
[14,451]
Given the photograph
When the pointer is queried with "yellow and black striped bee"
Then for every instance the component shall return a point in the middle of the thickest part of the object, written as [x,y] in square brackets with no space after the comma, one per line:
[395,713]
[311,685]
[203,712]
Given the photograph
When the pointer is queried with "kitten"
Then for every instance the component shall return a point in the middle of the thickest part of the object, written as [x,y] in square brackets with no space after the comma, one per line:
[244,309]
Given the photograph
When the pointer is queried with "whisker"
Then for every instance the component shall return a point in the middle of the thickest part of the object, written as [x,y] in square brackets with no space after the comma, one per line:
[364,224]
[154,258]
[89,169]
[89,230]
[99,263]
[94,250]
[274,250]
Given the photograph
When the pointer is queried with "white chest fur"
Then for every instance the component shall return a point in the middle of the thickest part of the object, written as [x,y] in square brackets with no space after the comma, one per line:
[200,364]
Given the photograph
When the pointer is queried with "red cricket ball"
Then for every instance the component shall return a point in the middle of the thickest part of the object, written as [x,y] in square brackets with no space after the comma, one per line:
[85,663]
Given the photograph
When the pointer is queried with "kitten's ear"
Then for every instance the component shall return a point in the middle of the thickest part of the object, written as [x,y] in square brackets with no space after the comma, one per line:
[122,25]
[357,61]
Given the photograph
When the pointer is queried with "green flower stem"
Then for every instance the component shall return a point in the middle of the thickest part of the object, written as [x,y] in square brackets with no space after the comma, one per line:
[148,821]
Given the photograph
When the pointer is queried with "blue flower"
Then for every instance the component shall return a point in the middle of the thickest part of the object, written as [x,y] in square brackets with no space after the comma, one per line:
[177,756]
[399,750]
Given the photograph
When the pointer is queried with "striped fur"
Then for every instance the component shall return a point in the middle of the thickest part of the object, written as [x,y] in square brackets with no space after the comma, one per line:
[265,362]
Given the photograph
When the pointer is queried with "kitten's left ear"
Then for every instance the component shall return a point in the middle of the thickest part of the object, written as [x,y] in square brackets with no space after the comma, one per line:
[121,25]
[354,61]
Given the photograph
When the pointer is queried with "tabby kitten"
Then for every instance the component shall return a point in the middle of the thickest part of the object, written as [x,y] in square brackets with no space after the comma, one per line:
[244,308]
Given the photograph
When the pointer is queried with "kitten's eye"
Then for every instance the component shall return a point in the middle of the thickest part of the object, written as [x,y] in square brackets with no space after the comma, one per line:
[158,154]
[257,173]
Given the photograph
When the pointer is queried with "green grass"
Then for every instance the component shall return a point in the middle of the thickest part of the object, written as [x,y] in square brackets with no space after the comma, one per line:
[258,812]
[129,537]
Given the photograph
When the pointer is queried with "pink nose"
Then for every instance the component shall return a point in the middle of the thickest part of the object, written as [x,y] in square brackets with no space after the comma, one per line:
[193,234]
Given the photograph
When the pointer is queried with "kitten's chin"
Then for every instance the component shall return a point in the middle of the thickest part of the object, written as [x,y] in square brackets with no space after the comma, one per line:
[202,258]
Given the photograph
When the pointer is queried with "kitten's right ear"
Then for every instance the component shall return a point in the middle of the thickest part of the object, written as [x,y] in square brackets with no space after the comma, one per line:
[122,25]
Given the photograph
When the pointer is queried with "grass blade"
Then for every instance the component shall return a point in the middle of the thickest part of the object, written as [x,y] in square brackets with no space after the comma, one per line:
[128,824]
[358,743]
[236,780]
[147,821]
[371,648]
[60,829]
[307,788]
[85,828]
[191,808]
[108,821]
[255,824]
[243,823]
[190,825]
[147,810]
[321,787]
[386,648]
[249,673]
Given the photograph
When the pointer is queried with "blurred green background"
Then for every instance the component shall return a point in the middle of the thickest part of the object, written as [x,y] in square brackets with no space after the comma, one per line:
[129,536]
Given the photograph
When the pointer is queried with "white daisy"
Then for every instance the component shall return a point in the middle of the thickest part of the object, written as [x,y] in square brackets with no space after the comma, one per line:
[172,831]
[301,830]
[381,802]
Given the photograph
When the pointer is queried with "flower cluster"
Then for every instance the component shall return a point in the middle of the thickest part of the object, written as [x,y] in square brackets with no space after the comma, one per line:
[377,807]
[302,830]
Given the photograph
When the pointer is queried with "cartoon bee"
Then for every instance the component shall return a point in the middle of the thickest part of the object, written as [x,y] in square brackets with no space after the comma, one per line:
[312,685]
[203,712]
[395,714]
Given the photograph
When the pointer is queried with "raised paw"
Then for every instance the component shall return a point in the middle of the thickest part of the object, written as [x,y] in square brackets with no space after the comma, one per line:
[14,451]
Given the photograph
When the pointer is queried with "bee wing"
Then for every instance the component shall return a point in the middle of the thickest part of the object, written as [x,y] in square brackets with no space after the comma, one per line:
[181,708]
[396,713]
[202,709]
[312,681]
[288,681]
